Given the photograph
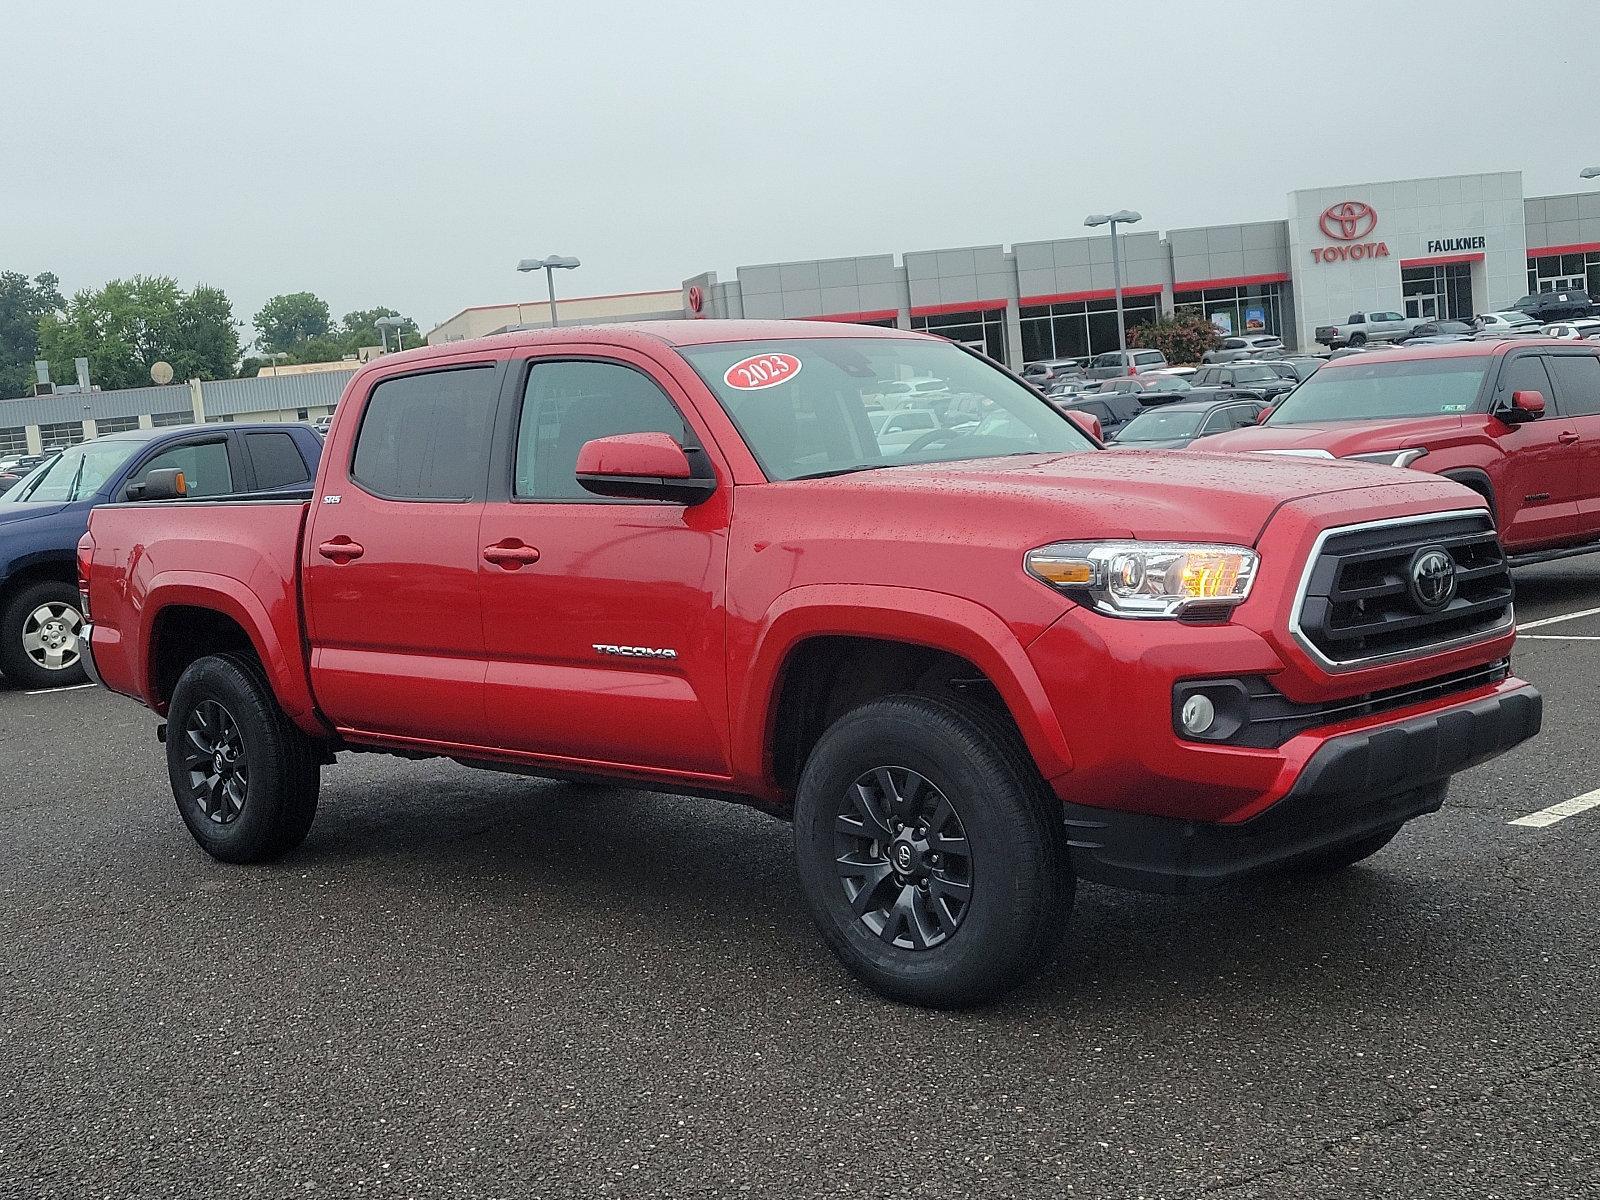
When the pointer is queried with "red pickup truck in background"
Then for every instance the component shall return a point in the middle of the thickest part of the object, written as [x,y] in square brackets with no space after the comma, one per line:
[971,669]
[1517,421]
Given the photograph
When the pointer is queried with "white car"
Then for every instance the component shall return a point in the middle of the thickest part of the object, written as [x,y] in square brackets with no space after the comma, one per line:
[1574,330]
[1247,345]
[909,393]
[1507,324]
[898,429]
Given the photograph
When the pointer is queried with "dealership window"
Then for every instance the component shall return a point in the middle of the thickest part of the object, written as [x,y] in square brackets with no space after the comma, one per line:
[983,331]
[1439,292]
[1558,272]
[1257,308]
[116,424]
[13,442]
[1079,328]
[162,420]
[62,433]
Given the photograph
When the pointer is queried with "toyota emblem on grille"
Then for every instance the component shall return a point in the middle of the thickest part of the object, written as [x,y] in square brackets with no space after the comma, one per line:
[1432,578]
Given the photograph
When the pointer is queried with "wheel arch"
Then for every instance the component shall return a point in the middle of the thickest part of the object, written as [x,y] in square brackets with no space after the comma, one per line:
[1478,480]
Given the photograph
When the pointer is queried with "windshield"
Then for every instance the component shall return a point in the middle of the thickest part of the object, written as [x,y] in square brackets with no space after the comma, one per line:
[812,420]
[1161,425]
[77,473]
[1367,390]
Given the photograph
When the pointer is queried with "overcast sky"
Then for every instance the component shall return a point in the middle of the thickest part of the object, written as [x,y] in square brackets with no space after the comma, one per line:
[409,154]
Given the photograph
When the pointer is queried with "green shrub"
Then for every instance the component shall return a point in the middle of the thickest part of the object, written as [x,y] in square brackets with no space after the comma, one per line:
[1184,340]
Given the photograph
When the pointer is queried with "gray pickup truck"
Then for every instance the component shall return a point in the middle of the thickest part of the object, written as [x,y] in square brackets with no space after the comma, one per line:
[1363,327]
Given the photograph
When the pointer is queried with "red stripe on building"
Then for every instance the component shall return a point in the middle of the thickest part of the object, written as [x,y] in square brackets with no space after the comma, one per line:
[937,310]
[883,314]
[1198,285]
[1441,260]
[1547,251]
[1132,289]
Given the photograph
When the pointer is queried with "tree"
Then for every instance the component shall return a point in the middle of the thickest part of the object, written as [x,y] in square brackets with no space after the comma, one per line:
[1183,339]
[360,329]
[23,303]
[130,324]
[287,321]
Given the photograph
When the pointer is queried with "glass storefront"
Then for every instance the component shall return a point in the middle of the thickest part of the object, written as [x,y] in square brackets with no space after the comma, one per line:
[1078,328]
[61,434]
[1257,308]
[980,330]
[1555,272]
[1441,292]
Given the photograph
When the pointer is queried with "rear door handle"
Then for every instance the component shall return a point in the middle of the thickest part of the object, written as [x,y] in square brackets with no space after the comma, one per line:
[1566,437]
[341,550]
[510,554]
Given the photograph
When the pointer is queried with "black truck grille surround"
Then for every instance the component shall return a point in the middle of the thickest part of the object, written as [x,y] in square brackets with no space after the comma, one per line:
[1360,604]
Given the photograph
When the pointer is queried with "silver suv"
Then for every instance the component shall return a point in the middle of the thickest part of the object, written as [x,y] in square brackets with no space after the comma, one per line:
[1124,362]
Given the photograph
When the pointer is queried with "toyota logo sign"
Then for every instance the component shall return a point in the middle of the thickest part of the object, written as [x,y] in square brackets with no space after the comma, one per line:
[1348,220]
[697,299]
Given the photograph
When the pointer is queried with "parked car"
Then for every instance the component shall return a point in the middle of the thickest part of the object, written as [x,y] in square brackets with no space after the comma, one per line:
[1506,324]
[1124,362]
[1011,661]
[897,429]
[1260,378]
[1304,366]
[1516,421]
[1438,333]
[322,424]
[1359,328]
[1575,330]
[1112,410]
[910,393]
[1174,426]
[1563,305]
[1245,345]
[1151,389]
[1048,370]
[15,469]
[42,518]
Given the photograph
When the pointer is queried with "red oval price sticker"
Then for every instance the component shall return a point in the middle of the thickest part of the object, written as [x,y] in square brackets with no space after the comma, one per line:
[761,371]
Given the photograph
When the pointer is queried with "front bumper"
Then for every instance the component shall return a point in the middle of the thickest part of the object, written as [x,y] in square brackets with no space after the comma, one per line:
[1354,784]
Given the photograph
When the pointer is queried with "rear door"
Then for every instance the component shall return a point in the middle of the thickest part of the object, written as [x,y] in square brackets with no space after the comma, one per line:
[1575,376]
[608,648]
[276,459]
[390,564]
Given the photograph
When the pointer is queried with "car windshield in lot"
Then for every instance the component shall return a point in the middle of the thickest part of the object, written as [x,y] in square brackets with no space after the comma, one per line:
[1373,389]
[1162,425]
[801,403]
[76,474]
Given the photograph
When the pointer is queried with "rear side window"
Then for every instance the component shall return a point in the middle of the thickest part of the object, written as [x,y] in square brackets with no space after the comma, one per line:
[276,460]
[569,403]
[1148,358]
[426,437]
[1577,380]
[205,467]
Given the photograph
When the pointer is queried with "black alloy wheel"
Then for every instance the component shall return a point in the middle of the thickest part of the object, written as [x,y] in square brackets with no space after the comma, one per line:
[219,769]
[903,858]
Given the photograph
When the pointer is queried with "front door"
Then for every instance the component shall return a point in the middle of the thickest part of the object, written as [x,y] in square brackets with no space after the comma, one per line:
[1575,376]
[605,628]
[391,560]
[1422,307]
[1541,463]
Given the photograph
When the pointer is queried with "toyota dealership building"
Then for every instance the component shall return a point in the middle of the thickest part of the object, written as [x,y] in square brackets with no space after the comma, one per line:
[1443,247]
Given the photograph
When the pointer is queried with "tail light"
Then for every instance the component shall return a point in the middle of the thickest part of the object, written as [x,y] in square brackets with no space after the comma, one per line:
[85,559]
[1133,370]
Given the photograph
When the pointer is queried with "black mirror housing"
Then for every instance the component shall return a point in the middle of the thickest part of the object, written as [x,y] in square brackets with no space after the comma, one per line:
[166,483]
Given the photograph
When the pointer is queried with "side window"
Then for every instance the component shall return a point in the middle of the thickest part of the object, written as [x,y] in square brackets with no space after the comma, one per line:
[204,465]
[426,437]
[1577,380]
[1149,358]
[1525,373]
[569,403]
[276,460]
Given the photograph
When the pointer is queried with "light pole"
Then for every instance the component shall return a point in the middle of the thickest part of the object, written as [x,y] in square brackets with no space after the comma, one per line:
[550,265]
[1589,173]
[1122,216]
[396,324]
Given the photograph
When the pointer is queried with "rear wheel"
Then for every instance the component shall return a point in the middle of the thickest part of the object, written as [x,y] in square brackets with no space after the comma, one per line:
[244,777]
[1358,339]
[931,854]
[39,636]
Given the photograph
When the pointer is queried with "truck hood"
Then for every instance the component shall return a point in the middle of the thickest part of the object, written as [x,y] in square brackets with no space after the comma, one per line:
[1152,494]
[1340,438]
[11,514]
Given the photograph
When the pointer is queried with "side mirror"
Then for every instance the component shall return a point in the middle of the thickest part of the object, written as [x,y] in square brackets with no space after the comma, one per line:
[643,466]
[164,483]
[1087,422]
[1261,417]
[1525,406]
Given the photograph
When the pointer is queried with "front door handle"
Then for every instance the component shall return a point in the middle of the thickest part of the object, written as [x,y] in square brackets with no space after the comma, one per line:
[510,554]
[341,550]
[1566,437]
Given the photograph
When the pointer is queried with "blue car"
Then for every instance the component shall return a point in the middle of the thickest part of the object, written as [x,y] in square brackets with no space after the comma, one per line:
[44,515]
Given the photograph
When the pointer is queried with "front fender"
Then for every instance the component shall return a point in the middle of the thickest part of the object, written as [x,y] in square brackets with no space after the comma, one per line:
[911,615]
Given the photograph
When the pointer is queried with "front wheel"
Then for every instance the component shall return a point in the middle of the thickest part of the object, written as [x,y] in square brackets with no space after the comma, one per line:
[39,636]
[244,777]
[931,854]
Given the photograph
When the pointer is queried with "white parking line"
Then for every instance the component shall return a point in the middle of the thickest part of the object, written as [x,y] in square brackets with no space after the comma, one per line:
[1560,812]
[75,687]
[1558,637]
[1588,612]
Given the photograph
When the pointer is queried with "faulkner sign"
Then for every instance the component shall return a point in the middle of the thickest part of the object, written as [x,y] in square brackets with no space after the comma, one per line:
[1453,245]
[1351,222]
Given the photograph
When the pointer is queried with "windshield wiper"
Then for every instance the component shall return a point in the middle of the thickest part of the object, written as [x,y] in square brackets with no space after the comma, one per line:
[839,471]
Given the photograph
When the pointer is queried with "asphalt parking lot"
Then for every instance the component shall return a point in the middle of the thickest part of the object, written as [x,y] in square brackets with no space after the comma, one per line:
[467,984]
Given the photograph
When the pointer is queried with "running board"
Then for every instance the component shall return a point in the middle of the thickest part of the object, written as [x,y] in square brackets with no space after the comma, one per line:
[1544,556]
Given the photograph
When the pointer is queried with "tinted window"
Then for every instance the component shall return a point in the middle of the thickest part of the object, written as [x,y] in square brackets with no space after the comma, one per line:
[1577,379]
[205,467]
[1148,358]
[1365,387]
[569,403]
[1356,319]
[1250,374]
[276,460]
[426,437]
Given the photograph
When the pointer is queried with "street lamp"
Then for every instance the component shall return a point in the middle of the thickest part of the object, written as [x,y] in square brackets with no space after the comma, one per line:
[1589,173]
[396,324]
[1122,216]
[550,265]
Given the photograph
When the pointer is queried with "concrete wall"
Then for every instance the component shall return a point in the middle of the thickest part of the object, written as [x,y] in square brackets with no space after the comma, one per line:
[1221,255]
[1563,221]
[534,313]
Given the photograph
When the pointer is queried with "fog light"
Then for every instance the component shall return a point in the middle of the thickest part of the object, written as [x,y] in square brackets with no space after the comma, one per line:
[1198,714]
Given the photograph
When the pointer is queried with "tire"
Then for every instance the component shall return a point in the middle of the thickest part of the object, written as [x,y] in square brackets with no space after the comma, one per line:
[1358,339]
[244,778]
[1004,902]
[39,636]
[1337,858]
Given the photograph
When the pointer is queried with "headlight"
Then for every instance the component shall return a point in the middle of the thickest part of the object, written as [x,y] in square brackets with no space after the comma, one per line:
[1388,458]
[1147,579]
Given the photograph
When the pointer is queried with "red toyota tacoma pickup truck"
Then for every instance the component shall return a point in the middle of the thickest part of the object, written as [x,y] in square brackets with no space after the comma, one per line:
[1517,421]
[972,669]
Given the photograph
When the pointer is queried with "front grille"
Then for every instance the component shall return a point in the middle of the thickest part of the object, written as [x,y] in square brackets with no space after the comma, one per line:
[1359,605]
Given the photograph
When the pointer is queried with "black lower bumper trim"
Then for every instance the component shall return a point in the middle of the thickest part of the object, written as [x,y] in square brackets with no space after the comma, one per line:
[1354,785]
